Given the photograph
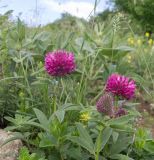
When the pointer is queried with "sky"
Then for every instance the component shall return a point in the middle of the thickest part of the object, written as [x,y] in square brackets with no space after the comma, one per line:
[35,12]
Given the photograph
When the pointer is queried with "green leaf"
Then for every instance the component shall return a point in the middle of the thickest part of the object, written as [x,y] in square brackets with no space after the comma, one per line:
[25,155]
[21,30]
[13,35]
[74,153]
[115,136]
[120,157]
[121,144]
[47,140]
[149,146]
[60,114]
[67,40]
[83,143]
[10,119]
[11,128]
[42,118]
[37,125]
[123,127]
[70,107]
[84,134]
[84,140]
[43,36]
[117,52]
[121,120]
[102,139]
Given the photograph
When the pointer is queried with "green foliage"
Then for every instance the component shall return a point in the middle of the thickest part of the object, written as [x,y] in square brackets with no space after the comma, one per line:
[141,10]
[45,111]
[24,155]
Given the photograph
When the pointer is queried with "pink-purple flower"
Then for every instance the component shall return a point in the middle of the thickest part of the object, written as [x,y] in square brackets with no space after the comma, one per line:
[121,86]
[59,63]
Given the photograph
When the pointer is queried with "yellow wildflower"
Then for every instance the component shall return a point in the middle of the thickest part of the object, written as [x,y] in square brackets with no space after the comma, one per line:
[85,117]
[139,42]
[147,34]
[150,41]
[129,58]
[130,41]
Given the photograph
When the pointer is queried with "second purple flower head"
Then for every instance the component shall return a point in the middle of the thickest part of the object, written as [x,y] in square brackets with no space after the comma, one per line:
[121,86]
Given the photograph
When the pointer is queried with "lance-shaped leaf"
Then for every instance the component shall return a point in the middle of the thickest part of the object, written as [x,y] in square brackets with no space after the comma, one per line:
[102,139]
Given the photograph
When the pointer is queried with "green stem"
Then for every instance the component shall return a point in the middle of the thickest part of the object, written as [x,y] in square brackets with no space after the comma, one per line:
[58,147]
[61,157]
[97,156]
[63,88]
[25,77]
[116,99]
[54,104]
[55,95]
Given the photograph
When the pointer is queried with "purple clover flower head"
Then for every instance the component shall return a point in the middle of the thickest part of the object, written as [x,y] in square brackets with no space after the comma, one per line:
[120,112]
[120,85]
[105,105]
[59,63]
